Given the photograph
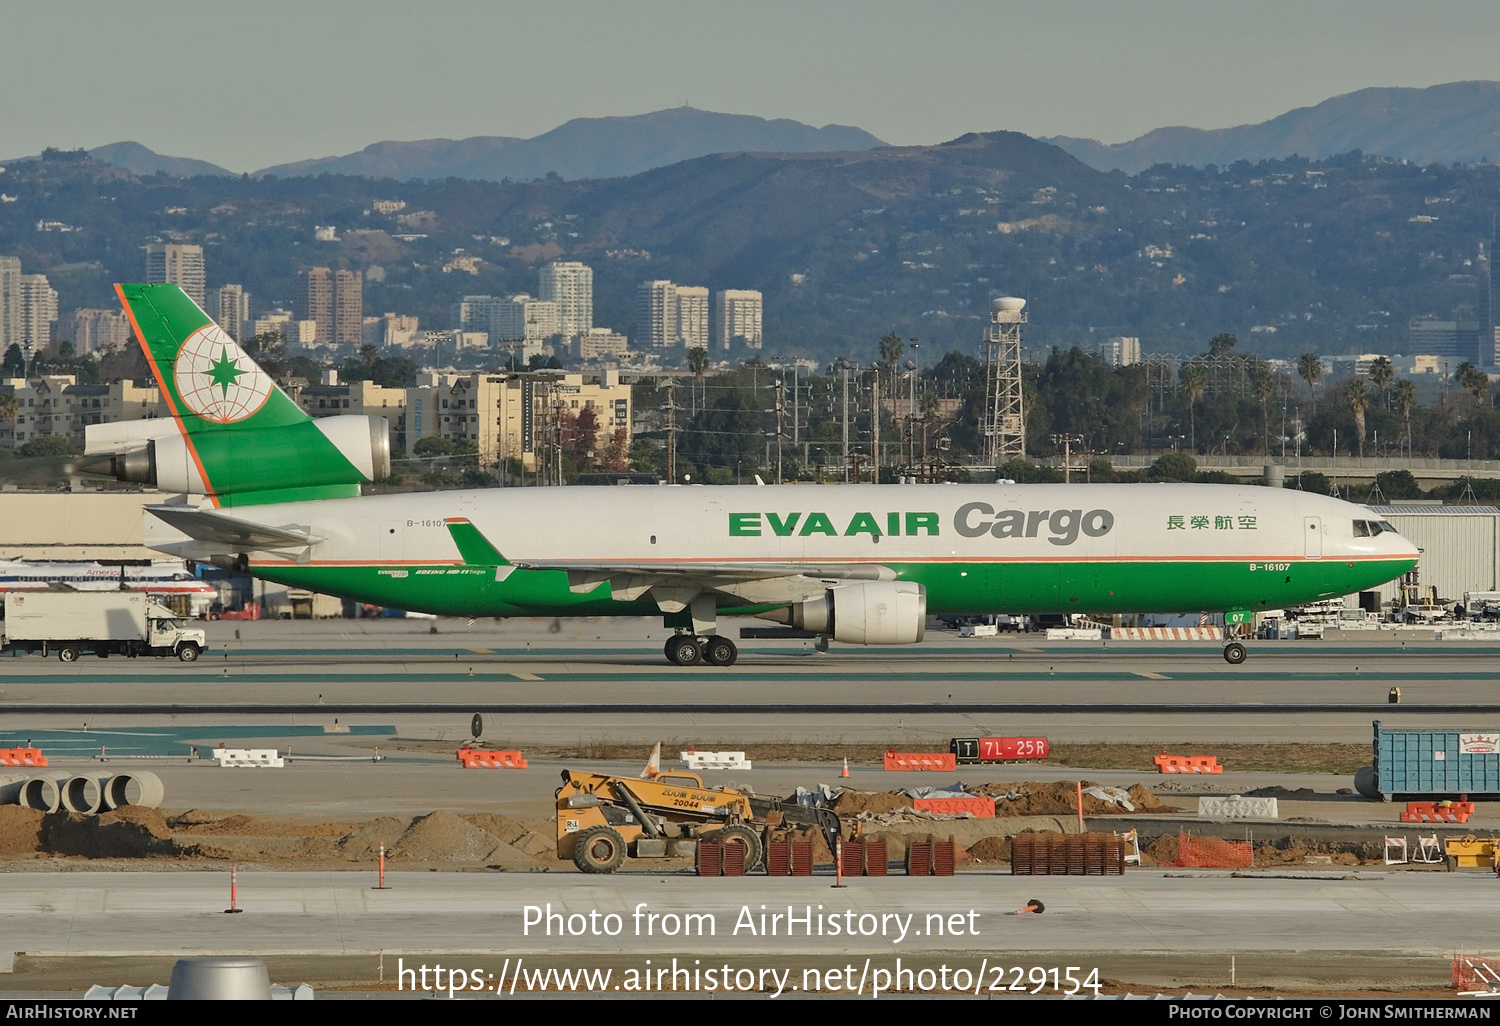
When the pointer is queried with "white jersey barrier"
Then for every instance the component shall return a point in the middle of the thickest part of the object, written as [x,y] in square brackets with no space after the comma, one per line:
[1166,634]
[1237,807]
[235,757]
[716,760]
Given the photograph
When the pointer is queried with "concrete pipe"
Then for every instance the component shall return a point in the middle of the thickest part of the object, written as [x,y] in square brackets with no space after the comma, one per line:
[220,978]
[10,788]
[142,788]
[44,792]
[83,795]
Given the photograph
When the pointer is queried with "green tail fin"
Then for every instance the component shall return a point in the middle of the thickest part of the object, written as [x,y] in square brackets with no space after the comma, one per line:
[473,546]
[246,441]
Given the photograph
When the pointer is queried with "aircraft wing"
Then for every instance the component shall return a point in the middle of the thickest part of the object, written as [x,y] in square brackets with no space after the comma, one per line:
[674,583]
[212,526]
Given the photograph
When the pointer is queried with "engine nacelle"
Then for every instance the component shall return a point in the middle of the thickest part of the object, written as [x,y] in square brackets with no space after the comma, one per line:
[167,463]
[868,613]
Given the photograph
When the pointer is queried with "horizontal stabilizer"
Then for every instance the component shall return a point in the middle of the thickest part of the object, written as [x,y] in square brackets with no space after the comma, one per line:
[210,526]
[473,546]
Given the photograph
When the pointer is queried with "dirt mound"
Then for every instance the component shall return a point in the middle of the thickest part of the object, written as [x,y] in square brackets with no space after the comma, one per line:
[149,820]
[1277,791]
[505,829]
[20,830]
[852,803]
[992,849]
[822,855]
[443,837]
[122,834]
[1162,851]
[194,817]
[1060,798]
[363,844]
[257,826]
[1144,801]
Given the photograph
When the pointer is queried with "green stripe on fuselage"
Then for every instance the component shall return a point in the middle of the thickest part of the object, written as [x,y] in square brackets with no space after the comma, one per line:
[952,587]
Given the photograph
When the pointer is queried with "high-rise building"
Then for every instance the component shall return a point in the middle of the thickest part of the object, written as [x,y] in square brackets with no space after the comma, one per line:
[90,330]
[232,310]
[1122,351]
[739,314]
[315,301]
[692,316]
[525,319]
[570,285]
[348,308]
[656,311]
[10,301]
[38,309]
[178,265]
[1456,339]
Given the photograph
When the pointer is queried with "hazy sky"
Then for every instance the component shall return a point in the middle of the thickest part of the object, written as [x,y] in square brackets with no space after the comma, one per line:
[259,82]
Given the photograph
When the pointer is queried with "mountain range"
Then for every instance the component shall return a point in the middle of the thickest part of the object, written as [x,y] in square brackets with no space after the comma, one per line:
[582,148]
[1458,122]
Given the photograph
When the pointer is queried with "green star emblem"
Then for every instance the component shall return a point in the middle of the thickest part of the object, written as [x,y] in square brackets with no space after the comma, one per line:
[225,371]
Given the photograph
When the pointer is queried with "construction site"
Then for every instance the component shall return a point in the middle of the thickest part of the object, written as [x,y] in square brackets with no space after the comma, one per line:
[395,793]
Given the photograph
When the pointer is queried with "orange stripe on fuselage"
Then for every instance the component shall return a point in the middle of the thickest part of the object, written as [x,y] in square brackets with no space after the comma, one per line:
[166,394]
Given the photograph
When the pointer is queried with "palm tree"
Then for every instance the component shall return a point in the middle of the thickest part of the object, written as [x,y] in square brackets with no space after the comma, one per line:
[697,361]
[1381,372]
[1194,378]
[1475,380]
[1310,368]
[1265,387]
[1357,398]
[1406,398]
[892,348]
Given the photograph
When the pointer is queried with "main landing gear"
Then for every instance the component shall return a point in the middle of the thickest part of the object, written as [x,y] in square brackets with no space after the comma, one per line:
[689,649]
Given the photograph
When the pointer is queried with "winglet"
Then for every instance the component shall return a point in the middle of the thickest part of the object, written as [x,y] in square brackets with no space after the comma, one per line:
[473,546]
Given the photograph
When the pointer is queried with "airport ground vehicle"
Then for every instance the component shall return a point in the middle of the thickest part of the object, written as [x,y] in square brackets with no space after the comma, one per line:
[103,623]
[601,818]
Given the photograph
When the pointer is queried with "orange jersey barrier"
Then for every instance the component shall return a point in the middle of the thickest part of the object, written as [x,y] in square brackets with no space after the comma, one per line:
[942,762]
[1187,763]
[22,757]
[477,758]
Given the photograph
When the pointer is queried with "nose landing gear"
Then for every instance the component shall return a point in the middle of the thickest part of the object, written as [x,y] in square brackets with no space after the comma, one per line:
[1234,653]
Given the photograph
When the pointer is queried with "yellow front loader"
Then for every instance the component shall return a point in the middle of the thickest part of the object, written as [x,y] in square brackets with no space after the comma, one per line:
[601,818]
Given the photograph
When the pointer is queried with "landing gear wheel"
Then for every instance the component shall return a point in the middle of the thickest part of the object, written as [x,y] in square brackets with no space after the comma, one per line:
[684,650]
[720,651]
[737,834]
[599,849]
[68,653]
[1234,653]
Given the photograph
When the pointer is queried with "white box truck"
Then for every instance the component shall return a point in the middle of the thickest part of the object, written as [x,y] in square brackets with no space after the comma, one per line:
[71,623]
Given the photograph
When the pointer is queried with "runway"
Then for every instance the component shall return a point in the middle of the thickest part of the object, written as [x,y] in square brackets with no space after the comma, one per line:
[608,678]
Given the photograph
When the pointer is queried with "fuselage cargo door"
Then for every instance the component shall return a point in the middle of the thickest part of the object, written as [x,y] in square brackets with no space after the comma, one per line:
[1312,537]
[392,541]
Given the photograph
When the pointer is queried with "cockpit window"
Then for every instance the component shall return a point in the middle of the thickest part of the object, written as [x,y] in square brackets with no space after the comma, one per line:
[1362,529]
[1385,525]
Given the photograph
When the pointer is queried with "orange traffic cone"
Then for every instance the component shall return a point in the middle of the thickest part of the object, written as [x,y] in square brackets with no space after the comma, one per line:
[846,769]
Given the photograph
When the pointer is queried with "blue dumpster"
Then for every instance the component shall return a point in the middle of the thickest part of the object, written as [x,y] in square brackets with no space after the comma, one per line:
[1443,763]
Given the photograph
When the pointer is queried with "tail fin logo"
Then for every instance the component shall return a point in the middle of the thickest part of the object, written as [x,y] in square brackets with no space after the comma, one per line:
[217,380]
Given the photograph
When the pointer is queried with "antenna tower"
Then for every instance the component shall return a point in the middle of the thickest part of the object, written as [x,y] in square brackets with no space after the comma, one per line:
[1005,419]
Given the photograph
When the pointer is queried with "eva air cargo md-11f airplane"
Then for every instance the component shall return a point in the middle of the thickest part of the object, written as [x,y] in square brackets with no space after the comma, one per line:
[853,563]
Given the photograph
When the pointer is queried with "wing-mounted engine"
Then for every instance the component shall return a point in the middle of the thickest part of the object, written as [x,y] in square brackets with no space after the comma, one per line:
[868,613]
